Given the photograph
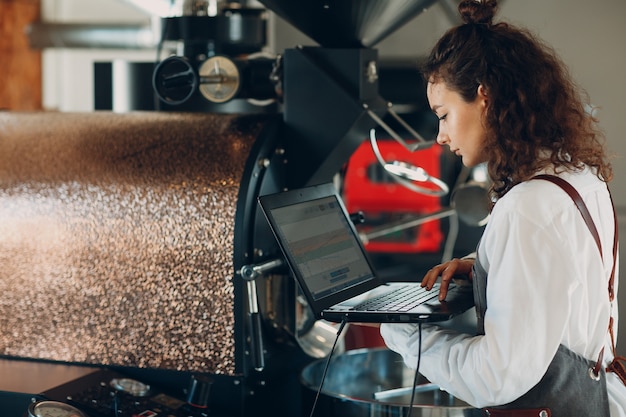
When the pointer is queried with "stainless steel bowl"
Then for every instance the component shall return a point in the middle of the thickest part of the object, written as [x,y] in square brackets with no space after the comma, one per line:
[374,383]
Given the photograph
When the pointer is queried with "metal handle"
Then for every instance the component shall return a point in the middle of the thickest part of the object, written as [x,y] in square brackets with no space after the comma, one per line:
[256,335]
[396,171]
[249,273]
[421,142]
[252,271]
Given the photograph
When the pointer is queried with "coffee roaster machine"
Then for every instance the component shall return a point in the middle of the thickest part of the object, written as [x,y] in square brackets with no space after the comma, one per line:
[296,120]
[328,103]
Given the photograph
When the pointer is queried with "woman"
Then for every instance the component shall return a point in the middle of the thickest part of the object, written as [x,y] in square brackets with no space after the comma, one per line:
[503,98]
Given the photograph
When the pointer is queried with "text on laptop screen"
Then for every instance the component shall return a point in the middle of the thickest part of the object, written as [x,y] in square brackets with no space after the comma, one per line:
[322,245]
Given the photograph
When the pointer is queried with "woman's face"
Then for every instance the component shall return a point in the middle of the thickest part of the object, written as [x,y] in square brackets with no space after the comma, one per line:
[460,123]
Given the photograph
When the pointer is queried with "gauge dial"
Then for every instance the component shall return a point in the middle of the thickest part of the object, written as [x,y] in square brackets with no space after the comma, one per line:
[130,386]
[220,79]
[53,409]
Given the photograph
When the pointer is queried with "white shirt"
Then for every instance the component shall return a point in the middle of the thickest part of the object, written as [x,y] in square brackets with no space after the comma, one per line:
[547,286]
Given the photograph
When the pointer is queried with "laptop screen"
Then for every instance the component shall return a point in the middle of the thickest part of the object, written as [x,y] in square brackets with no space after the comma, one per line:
[322,245]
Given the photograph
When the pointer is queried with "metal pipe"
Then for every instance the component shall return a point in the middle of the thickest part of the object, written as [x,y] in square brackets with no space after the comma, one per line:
[81,35]
[406,224]
[397,392]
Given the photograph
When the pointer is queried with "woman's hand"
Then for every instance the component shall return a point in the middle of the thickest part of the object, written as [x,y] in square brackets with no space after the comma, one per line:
[448,271]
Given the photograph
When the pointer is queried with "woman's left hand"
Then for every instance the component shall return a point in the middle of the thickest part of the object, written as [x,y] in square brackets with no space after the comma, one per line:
[448,271]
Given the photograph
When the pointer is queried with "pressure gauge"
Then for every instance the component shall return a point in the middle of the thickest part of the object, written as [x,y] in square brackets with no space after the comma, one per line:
[130,386]
[53,409]
[220,79]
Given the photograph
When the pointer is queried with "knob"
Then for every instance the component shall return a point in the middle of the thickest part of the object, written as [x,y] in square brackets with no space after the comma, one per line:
[199,391]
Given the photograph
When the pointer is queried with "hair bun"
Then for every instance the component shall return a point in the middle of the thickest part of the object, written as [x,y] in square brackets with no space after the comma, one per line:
[478,11]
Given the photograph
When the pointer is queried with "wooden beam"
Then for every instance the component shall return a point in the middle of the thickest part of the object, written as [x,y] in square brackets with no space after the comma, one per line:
[20,66]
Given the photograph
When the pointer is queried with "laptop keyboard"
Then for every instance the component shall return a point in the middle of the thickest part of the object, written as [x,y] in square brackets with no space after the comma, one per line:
[400,299]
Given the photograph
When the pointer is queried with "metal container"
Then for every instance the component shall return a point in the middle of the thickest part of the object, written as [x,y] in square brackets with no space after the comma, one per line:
[374,383]
[117,238]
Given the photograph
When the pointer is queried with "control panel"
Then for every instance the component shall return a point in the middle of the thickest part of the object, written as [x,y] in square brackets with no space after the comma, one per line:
[106,393]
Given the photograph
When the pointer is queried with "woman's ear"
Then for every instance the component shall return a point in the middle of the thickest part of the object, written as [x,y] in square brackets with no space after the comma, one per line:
[482,91]
[482,95]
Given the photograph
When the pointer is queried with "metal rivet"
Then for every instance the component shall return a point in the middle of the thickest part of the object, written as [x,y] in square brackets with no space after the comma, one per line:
[543,413]
[593,375]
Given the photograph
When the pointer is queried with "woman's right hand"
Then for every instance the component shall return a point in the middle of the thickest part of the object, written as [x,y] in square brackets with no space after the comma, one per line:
[448,271]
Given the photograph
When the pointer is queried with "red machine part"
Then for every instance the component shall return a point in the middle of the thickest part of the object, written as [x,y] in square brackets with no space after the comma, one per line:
[368,188]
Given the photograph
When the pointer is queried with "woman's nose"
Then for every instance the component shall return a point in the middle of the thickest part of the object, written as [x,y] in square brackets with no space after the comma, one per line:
[442,138]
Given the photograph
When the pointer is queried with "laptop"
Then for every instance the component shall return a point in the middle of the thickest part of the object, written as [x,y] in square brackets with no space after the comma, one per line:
[330,263]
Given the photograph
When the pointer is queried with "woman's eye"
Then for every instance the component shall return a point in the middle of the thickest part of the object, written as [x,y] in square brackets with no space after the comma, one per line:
[442,117]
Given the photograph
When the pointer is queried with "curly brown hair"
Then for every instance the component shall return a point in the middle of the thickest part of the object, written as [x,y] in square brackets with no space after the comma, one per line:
[536,116]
